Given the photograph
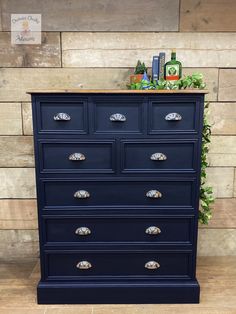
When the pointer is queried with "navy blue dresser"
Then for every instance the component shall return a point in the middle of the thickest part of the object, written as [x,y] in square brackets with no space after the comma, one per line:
[118,176]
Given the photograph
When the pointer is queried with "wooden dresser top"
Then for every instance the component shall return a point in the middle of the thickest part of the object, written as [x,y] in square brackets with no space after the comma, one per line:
[117,91]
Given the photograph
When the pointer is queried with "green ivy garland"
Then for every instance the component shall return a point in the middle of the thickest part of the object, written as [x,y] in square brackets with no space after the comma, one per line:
[190,82]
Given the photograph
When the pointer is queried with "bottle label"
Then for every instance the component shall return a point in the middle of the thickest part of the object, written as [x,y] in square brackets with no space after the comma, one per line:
[172,72]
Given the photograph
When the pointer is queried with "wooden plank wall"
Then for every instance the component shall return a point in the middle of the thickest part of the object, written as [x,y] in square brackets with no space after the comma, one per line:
[95,44]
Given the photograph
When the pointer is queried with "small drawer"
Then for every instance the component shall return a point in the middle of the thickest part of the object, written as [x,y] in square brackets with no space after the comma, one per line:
[74,156]
[118,114]
[149,156]
[62,115]
[149,264]
[107,193]
[180,115]
[74,230]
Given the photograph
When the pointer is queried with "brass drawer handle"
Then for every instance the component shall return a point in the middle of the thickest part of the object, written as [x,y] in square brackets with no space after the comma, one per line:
[173,116]
[61,116]
[158,156]
[84,265]
[82,231]
[77,157]
[81,194]
[153,230]
[117,117]
[152,265]
[154,194]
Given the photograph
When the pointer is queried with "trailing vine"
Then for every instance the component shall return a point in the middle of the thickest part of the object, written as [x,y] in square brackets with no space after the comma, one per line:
[190,82]
[206,192]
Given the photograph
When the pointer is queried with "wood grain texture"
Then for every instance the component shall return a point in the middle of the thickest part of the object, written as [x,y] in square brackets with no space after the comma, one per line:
[100,15]
[18,214]
[17,183]
[207,15]
[10,117]
[209,240]
[222,117]
[18,244]
[121,49]
[222,151]
[224,214]
[27,118]
[15,82]
[16,151]
[46,54]
[227,85]
[222,181]
[115,91]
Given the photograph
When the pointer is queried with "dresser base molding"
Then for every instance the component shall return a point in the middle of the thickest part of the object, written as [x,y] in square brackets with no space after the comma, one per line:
[94,293]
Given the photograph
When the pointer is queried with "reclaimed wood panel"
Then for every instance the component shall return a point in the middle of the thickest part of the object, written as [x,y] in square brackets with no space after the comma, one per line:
[222,117]
[18,214]
[47,54]
[99,15]
[235,182]
[15,82]
[209,240]
[17,183]
[18,244]
[222,151]
[224,214]
[147,40]
[227,85]
[16,151]
[121,49]
[207,15]
[222,181]
[27,118]
[10,117]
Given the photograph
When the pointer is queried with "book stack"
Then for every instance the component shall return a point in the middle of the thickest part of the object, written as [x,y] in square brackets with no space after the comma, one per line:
[158,64]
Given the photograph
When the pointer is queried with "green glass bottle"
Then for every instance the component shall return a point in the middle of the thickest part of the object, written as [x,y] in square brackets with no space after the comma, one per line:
[173,68]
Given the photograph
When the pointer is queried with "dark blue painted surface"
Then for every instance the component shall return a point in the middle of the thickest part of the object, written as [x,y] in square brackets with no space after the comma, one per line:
[174,229]
[118,172]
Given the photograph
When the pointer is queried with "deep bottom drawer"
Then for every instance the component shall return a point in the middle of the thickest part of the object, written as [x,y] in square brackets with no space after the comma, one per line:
[153,229]
[74,264]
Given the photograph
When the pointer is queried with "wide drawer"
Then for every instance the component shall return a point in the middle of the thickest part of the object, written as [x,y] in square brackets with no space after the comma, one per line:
[73,156]
[140,156]
[173,116]
[62,115]
[74,264]
[154,229]
[118,114]
[129,192]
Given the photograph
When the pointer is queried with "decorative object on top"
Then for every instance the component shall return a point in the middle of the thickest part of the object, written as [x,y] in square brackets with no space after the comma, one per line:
[162,58]
[195,80]
[173,68]
[155,69]
[140,69]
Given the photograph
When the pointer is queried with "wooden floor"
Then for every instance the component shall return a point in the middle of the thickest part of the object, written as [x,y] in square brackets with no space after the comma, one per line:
[217,277]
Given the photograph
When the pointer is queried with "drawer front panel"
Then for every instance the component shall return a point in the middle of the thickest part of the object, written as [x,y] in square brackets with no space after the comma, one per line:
[66,264]
[68,116]
[77,230]
[163,118]
[159,156]
[120,193]
[78,156]
[118,114]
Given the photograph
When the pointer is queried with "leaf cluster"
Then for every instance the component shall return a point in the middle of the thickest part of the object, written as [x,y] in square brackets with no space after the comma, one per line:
[140,68]
[191,82]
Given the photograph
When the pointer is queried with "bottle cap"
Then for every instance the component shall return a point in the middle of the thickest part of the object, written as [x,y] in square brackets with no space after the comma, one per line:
[173,50]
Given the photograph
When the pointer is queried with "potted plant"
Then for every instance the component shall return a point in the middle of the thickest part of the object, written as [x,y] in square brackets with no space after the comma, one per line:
[140,69]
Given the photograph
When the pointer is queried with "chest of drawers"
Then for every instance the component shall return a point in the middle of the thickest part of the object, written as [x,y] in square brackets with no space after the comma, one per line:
[118,176]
